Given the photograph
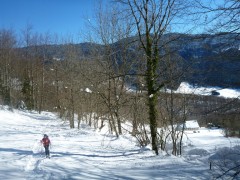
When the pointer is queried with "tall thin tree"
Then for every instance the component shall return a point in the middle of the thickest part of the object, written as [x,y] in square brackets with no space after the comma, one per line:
[152,18]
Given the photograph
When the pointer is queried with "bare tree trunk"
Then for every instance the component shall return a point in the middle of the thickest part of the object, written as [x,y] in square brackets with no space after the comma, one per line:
[151,20]
[42,89]
[72,111]
[134,123]
[118,123]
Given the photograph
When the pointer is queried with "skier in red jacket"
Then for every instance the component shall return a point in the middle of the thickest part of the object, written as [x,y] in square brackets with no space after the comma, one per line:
[46,142]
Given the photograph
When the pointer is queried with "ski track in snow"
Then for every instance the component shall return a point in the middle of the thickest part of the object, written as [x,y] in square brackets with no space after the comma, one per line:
[38,155]
[28,125]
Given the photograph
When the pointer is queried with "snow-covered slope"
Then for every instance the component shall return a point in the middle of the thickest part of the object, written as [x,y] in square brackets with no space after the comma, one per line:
[89,154]
[186,88]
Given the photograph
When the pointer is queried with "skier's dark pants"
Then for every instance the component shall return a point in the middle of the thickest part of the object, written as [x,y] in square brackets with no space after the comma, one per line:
[46,150]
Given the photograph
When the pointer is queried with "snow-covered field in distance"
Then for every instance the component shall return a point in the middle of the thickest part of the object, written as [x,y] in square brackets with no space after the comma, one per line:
[86,153]
[186,88]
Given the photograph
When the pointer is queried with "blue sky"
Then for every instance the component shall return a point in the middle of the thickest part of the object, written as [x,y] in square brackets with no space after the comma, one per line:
[54,16]
[63,17]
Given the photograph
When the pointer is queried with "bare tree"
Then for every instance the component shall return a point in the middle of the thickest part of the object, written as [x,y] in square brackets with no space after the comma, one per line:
[152,19]
[44,42]
[112,29]
[219,16]
[7,45]
[71,82]
[27,57]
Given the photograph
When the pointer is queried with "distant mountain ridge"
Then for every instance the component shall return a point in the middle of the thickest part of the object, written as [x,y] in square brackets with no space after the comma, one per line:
[214,59]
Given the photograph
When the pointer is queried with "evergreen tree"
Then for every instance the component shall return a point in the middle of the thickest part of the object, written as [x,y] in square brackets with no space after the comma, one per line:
[26,90]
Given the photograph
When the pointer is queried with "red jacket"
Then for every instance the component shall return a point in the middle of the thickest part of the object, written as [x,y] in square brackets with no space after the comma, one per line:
[45,141]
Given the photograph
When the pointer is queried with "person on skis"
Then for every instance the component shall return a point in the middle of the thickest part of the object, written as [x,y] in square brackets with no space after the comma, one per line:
[46,142]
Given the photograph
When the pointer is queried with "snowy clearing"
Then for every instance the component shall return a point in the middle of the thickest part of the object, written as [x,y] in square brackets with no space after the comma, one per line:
[186,88]
[89,154]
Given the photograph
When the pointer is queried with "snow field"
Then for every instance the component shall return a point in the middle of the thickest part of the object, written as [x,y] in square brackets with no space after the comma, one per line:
[89,154]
